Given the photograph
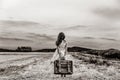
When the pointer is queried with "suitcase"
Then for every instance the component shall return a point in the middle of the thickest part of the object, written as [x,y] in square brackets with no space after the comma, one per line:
[63,67]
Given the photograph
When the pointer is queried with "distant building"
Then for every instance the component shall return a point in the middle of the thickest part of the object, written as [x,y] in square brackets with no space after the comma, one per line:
[24,49]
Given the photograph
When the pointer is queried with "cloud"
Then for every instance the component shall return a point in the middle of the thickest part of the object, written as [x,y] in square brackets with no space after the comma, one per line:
[89,38]
[27,36]
[12,23]
[52,11]
[25,26]
[13,39]
[110,13]
[34,40]
[89,20]
[95,43]
[75,27]
[110,39]
[37,36]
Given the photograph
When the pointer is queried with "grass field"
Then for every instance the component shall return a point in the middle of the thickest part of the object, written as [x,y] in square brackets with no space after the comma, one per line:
[36,66]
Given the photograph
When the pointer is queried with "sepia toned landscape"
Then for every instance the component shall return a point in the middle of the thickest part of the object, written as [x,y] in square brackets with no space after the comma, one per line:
[30,34]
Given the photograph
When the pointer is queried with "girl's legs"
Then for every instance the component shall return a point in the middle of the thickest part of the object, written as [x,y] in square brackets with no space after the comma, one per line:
[64,75]
[59,66]
[61,75]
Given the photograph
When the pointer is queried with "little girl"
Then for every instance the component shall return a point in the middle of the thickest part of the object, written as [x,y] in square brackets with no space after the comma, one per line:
[61,49]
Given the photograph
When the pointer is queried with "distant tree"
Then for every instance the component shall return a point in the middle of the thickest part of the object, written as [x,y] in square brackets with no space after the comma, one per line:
[24,49]
[18,49]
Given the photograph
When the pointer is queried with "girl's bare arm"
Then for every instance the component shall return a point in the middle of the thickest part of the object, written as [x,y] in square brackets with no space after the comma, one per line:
[65,48]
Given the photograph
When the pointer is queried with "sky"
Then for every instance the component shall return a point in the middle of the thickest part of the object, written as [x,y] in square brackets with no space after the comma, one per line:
[87,23]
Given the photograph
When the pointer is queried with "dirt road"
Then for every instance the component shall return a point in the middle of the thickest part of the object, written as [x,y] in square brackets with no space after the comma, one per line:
[39,68]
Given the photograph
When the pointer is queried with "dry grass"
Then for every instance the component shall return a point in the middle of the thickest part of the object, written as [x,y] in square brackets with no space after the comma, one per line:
[85,67]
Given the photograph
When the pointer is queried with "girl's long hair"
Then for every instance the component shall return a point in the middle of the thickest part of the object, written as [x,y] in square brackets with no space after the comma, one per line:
[61,36]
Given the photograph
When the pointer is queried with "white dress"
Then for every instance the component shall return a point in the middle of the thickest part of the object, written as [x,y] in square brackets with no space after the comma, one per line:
[63,52]
[60,51]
